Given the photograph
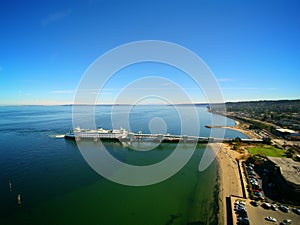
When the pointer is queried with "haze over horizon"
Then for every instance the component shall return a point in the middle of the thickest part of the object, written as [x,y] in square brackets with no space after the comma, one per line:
[252,47]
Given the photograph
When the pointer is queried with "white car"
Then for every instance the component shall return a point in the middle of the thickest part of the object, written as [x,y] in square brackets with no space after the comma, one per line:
[270,218]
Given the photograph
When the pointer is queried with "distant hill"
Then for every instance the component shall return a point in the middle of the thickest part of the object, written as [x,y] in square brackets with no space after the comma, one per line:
[278,106]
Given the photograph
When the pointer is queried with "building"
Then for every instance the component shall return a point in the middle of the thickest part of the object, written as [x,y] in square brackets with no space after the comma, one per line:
[287,173]
[288,134]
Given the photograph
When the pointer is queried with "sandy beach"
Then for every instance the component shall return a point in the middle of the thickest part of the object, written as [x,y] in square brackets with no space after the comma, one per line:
[228,172]
[241,127]
[229,178]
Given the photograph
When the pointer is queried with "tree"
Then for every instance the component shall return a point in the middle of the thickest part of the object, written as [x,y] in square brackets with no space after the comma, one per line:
[267,140]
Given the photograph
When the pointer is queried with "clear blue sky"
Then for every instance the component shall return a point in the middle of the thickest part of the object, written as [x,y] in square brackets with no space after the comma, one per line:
[253,47]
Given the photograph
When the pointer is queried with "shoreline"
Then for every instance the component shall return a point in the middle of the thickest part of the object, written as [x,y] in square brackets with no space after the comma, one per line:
[228,178]
[229,182]
[239,126]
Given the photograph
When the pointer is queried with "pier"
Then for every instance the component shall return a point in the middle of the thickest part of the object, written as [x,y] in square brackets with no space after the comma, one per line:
[164,138]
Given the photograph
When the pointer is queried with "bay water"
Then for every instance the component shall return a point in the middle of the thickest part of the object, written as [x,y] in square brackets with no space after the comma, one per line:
[58,187]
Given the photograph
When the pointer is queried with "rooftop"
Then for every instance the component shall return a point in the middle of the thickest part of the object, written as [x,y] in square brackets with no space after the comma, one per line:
[289,168]
[282,130]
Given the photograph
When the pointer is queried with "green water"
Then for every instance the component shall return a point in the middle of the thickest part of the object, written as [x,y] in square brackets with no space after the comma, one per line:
[189,196]
[58,187]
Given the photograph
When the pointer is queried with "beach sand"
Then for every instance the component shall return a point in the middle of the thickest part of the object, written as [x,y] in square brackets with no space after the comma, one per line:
[228,172]
[229,178]
[243,128]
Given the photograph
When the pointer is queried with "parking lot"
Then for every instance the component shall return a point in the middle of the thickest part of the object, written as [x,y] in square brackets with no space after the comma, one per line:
[256,182]
[257,214]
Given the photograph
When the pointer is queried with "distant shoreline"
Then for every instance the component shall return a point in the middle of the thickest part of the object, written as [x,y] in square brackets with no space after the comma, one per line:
[179,104]
[239,126]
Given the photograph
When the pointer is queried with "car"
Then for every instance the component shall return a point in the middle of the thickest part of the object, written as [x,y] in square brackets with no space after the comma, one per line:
[250,167]
[274,207]
[270,218]
[286,222]
[243,220]
[238,202]
[241,211]
[258,194]
[297,211]
[283,223]
[237,208]
[284,208]
[242,203]
[254,183]
[254,203]
[266,205]
[256,187]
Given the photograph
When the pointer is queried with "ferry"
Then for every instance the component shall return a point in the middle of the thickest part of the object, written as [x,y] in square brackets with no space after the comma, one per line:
[100,133]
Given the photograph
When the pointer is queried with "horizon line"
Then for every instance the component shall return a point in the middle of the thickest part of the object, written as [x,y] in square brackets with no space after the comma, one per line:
[151,104]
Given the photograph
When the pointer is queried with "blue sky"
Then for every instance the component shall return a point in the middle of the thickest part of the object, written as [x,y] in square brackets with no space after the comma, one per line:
[252,47]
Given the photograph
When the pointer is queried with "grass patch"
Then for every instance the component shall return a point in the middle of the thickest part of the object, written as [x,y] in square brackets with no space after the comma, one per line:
[267,151]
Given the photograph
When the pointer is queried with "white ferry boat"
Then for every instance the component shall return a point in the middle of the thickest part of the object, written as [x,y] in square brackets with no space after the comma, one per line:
[100,133]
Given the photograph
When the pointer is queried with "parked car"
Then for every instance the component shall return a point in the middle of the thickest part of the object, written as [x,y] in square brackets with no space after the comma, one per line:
[243,220]
[242,203]
[254,203]
[239,208]
[254,183]
[251,173]
[256,187]
[239,202]
[270,218]
[286,222]
[297,211]
[284,208]
[266,205]
[258,194]
[274,207]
